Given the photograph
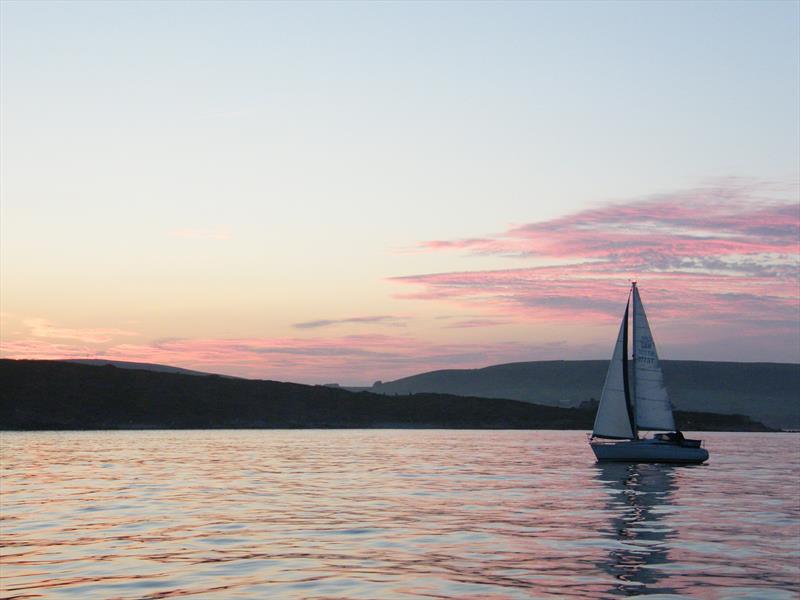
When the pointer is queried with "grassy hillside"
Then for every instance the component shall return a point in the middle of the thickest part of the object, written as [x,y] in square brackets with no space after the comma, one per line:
[61,395]
[767,392]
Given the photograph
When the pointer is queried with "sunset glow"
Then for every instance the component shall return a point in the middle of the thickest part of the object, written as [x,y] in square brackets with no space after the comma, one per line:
[347,192]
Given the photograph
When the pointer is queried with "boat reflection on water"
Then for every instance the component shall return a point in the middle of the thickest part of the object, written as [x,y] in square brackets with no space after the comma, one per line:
[639,497]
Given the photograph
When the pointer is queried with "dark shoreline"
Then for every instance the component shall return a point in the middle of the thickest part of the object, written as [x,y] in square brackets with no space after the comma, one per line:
[61,396]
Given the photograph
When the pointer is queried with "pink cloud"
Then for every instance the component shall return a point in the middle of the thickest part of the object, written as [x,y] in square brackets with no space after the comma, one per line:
[42,328]
[670,231]
[724,258]
[546,295]
[344,359]
[40,349]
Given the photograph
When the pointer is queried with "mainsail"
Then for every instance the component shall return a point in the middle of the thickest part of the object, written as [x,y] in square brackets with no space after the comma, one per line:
[614,417]
[653,407]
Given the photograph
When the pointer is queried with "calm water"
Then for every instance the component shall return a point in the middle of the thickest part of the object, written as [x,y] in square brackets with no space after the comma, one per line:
[391,514]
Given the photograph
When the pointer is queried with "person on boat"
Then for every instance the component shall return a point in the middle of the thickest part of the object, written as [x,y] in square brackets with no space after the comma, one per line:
[676,436]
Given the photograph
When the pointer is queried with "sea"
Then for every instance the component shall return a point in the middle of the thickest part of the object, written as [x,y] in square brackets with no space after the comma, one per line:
[386,514]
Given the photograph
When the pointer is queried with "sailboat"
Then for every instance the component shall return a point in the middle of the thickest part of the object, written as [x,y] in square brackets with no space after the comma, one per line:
[634,399]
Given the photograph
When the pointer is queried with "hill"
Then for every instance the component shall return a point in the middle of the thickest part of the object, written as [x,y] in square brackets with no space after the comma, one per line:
[62,395]
[126,364]
[766,392]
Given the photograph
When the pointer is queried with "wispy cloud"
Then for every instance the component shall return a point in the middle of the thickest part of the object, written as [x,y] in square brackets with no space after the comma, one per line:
[389,320]
[721,229]
[44,350]
[42,328]
[346,359]
[476,323]
[726,255]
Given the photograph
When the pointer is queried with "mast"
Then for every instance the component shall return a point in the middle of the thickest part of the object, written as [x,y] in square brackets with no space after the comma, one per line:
[632,400]
[625,378]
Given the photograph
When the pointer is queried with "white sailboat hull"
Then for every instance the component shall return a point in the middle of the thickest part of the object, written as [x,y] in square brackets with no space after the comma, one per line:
[649,451]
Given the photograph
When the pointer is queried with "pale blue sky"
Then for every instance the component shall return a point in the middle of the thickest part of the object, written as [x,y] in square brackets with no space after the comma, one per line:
[323,140]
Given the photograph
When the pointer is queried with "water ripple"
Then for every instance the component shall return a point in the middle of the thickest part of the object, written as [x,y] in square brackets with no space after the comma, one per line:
[391,514]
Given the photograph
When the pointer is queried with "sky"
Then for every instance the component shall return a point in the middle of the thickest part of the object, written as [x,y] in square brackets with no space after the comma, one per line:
[356,191]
